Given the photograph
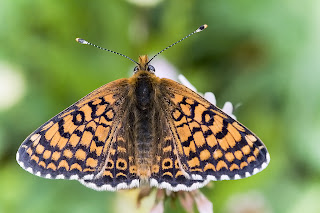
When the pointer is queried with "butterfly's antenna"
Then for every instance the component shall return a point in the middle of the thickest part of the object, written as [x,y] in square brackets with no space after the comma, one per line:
[202,27]
[82,41]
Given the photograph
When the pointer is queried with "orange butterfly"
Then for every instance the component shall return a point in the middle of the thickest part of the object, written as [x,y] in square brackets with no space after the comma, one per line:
[143,130]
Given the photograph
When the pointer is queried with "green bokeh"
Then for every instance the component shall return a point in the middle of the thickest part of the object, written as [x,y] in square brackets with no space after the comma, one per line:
[262,55]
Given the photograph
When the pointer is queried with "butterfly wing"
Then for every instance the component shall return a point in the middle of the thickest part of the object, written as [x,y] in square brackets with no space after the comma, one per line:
[120,170]
[168,168]
[210,145]
[78,142]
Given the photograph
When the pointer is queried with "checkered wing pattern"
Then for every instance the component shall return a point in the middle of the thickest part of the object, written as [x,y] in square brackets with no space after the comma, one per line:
[78,142]
[96,141]
[120,169]
[169,169]
[209,144]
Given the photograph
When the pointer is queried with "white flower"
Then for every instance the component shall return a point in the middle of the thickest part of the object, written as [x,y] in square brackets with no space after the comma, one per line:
[166,70]
[227,107]
[203,204]
[251,201]
[186,198]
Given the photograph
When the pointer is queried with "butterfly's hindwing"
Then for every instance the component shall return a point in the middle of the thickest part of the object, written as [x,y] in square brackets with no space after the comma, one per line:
[167,167]
[120,169]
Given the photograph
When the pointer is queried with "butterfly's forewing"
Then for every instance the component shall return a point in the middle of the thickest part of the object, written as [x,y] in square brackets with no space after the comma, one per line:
[210,144]
[76,143]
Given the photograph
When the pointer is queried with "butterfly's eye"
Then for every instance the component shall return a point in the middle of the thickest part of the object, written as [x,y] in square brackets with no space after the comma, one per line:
[151,68]
[136,69]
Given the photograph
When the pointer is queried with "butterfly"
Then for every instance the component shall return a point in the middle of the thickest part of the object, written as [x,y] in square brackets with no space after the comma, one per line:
[143,131]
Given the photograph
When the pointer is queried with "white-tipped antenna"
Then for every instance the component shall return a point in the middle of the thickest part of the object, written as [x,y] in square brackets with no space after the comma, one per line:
[82,41]
[202,27]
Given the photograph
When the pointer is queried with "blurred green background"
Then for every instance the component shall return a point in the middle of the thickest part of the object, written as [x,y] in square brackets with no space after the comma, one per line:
[263,56]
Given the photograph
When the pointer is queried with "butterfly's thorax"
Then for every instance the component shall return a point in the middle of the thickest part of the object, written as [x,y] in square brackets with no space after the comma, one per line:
[144,92]
[144,118]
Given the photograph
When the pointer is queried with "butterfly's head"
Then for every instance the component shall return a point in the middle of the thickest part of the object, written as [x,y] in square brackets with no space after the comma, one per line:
[144,65]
